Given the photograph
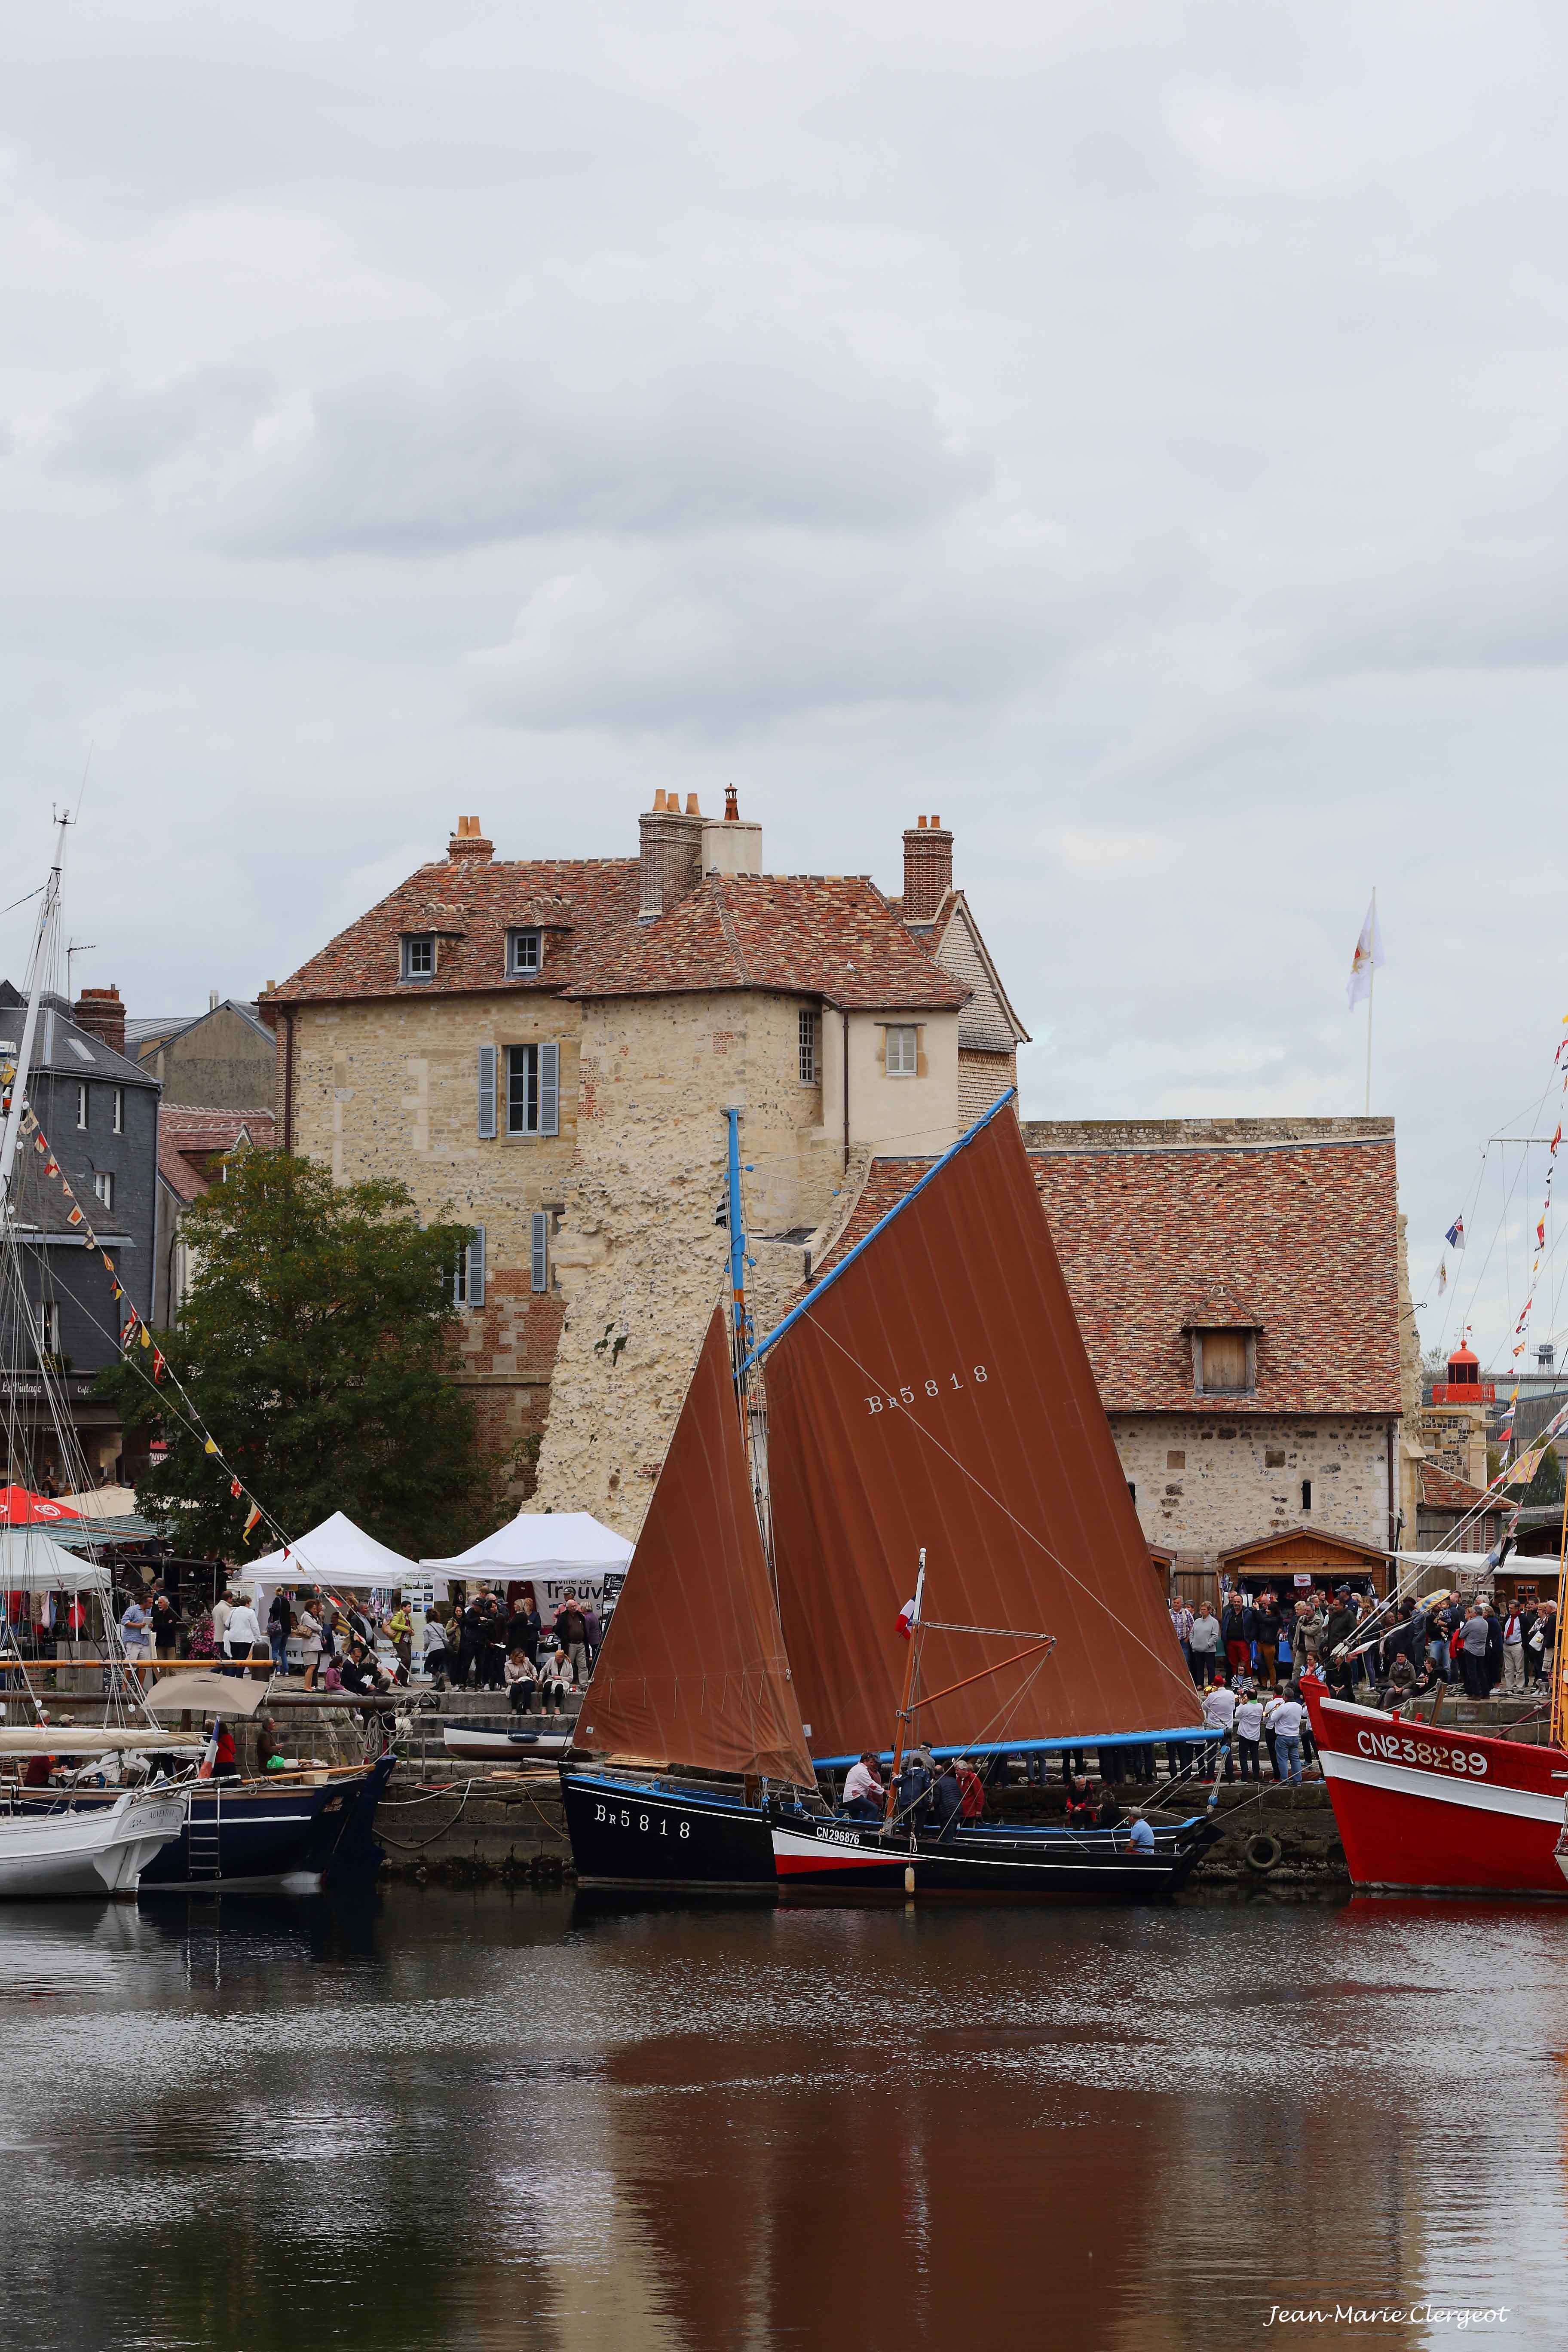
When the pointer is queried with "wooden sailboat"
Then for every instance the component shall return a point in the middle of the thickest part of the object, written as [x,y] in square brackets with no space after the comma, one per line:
[930,1395]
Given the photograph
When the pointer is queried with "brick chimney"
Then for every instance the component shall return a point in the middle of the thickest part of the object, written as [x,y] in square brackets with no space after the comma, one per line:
[100,1012]
[928,868]
[671,853]
[468,845]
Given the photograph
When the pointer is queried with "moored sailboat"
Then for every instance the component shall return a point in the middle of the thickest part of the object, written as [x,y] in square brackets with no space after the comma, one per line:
[931,1394]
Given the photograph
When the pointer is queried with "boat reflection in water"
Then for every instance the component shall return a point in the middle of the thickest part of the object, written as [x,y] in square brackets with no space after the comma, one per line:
[930,1399]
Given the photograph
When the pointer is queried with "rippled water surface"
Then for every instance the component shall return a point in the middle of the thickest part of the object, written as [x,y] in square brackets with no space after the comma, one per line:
[502,2120]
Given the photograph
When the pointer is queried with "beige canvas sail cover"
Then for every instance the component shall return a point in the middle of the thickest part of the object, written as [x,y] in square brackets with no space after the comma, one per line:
[693,1670]
[937,1393]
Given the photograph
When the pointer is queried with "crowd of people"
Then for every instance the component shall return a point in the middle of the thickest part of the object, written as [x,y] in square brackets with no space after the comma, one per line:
[1368,1650]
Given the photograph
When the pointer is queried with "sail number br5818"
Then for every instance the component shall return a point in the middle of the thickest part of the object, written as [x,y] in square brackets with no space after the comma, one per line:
[627,1817]
[943,1385]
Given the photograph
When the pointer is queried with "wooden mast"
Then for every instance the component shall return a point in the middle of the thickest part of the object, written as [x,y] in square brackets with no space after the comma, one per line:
[906,1710]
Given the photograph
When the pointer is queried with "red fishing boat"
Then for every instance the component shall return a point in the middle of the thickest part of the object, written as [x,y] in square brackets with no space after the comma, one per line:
[1424,1808]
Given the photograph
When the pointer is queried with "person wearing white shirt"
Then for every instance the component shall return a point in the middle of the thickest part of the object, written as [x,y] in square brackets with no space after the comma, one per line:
[1249,1735]
[243,1630]
[864,1795]
[1219,1714]
[1283,1717]
[223,1610]
[1513,1650]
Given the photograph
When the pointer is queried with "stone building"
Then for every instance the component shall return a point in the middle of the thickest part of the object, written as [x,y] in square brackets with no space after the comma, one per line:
[547,1048]
[100,1113]
[223,1059]
[1240,1288]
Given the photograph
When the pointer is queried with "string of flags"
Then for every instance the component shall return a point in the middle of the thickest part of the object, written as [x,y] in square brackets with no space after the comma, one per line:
[134,1331]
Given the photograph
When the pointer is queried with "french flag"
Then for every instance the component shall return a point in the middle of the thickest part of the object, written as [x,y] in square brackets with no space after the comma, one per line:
[908,1618]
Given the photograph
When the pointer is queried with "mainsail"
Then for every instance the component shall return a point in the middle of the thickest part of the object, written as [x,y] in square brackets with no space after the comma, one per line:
[693,1669]
[935,1393]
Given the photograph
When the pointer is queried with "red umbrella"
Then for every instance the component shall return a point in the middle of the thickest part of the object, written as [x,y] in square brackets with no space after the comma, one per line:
[21,1508]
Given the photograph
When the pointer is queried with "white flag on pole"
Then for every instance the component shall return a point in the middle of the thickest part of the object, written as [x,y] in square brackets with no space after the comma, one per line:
[1368,952]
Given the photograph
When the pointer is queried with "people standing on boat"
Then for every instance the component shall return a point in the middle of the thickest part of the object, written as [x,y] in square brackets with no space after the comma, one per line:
[1248,1735]
[946,1801]
[973,1788]
[1266,1633]
[1219,1714]
[914,1788]
[864,1799]
[1203,1646]
[522,1682]
[1236,1630]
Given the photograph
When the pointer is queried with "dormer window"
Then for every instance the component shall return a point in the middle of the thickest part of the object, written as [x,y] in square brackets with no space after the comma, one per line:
[524,953]
[419,955]
[1224,1336]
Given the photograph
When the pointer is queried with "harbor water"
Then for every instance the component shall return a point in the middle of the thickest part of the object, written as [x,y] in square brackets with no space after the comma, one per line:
[498,2120]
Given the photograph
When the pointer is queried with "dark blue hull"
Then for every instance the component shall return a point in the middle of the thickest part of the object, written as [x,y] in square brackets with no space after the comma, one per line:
[665,1841]
[244,1837]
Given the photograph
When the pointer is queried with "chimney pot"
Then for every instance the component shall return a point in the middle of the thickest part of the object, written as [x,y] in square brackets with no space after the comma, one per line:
[928,868]
[921,824]
[691,807]
[732,805]
[212,1000]
[468,844]
[659,800]
[100,1012]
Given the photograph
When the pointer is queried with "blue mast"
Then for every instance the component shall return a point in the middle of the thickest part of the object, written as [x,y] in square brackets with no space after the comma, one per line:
[737,1238]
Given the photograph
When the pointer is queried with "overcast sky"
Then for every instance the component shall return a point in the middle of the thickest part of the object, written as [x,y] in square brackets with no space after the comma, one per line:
[1136,433]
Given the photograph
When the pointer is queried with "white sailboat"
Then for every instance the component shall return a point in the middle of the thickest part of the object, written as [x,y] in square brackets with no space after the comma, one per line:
[99,1851]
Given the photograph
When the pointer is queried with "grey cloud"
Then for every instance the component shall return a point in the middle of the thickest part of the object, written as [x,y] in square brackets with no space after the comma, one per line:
[407,468]
[119,434]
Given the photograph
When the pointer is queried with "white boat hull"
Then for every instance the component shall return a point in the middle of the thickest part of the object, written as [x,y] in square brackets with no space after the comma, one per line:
[98,1851]
[491,1746]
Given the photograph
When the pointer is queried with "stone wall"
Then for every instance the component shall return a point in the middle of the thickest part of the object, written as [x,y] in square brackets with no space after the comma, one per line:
[640,1259]
[1237,1480]
[1454,1437]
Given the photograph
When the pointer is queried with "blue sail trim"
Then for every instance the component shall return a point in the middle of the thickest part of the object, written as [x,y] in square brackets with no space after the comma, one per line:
[1186,1732]
[881,1226]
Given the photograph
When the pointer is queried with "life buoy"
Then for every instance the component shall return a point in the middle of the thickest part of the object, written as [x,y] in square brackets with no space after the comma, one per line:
[1263,1850]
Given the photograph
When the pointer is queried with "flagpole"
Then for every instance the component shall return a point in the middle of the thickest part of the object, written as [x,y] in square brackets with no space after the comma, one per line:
[1370,985]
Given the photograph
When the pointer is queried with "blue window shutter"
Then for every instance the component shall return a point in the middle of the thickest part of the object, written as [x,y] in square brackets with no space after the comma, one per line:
[549,1090]
[477,1267]
[487,1091]
[539,1268]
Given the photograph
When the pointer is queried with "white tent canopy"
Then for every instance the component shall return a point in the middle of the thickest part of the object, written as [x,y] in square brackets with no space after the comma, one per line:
[337,1554]
[556,1552]
[30,1561]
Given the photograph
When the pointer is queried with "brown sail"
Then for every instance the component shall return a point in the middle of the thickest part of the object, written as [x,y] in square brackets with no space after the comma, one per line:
[935,1392]
[693,1670]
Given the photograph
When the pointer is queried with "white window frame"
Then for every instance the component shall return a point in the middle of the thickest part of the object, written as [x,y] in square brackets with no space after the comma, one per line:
[81,1106]
[103,1185]
[119,1110]
[526,940]
[810,1068]
[46,1326]
[533,1092]
[467,1279]
[902,1060]
[414,944]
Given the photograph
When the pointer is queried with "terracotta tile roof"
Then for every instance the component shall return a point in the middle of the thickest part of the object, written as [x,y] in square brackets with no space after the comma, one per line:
[189,1136]
[1303,1228]
[577,902]
[829,935]
[1440,1490]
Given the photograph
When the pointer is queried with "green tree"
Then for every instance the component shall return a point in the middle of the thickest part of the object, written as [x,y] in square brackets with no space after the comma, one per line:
[1546,1487]
[312,1343]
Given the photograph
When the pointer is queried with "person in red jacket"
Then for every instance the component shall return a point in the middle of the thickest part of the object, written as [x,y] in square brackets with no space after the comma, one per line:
[972,1792]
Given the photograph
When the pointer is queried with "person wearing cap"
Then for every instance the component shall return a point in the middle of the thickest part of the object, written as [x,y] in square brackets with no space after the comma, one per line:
[1140,1836]
[865,1798]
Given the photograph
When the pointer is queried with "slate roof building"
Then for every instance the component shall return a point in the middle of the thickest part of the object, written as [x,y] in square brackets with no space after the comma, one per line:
[546,1048]
[98,1111]
[1240,1288]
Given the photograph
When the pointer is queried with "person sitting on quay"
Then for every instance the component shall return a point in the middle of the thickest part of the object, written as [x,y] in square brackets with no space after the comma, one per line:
[362,1676]
[522,1682]
[864,1799]
[1140,1836]
[558,1680]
